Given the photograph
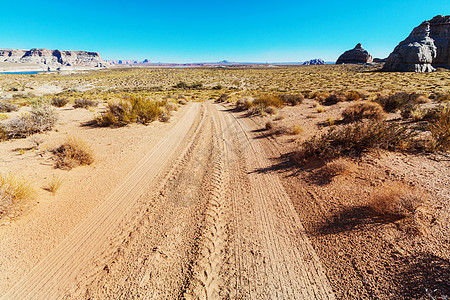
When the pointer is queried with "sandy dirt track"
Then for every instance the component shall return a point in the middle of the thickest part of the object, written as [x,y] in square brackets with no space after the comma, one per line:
[198,218]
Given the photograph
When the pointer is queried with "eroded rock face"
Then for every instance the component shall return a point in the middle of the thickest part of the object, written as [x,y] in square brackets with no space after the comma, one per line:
[355,56]
[427,46]
[52,58]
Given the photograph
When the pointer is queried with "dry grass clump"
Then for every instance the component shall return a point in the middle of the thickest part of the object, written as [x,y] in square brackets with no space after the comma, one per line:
[353,139]
[334,98]
[291,99]
[352,96]
[397,199]
[338,167]
[266,100]
[134,110]
[7,107]
[244,103]
[296,130]
[440,130]
[53,184]
[320,108]
[72,153]
[269,125]
[271,110]
[41,118]
[84,103]
[14,192]
[59,101]
[223,98]
[396,101]
[363,110]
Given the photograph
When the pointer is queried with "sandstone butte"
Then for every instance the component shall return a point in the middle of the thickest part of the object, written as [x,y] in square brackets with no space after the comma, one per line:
[355,56]
[426,48]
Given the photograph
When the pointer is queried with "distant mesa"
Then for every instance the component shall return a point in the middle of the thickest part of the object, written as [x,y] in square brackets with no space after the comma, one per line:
[427,47]
[316,61]
[355,56]
[53,59]
[129,62]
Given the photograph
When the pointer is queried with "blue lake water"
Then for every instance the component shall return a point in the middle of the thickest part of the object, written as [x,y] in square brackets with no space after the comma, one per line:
[26,73]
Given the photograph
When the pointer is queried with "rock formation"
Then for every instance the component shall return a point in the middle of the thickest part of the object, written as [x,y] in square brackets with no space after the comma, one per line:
[52,58]
[427,46]
[316,61]
[355,56]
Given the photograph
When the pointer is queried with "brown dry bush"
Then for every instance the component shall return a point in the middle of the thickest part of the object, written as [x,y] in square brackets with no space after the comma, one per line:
[334,98]
[291,99]
[7,107]
[41,118]
[397,199]
[338,167]
[267,100]
[85,103]
[440,130]
[72,153]
[14,193]
[352,96]
[59,102]
[363,110]
[353,139]
[396,101]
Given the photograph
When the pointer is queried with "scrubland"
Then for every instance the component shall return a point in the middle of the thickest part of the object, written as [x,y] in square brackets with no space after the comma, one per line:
[363,154]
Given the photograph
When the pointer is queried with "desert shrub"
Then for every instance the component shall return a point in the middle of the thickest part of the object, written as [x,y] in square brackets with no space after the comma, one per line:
[217,87]
[170,106]
[338,167]
[41,118]
[184,86]
[333,99]
[352,96]
[3,134]
[291,99]
[397,199]
[223,98]
[440,130]
[13,193]
[3,116]
[84,103]
[182,101]
[363,110]
[269,125]
[72,153]
[353,139]
[245,103]
[266,100]
[271,110]
[7,107]
[132,110]
[442,97]
[59,101]
[256,110]
[396,101]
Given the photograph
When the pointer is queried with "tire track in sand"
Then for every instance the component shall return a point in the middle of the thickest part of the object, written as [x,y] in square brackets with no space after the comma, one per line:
[68,261]
[275,257]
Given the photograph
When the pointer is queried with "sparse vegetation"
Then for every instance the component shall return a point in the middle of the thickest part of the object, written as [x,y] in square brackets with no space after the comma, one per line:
[440,130]
[134,110]
[355,138]
[41,118]
[363,110]
[397,199]
[14,192]
[72,153]
[85,103]
[7,107]
[59,101]
[53,184]
[338,167]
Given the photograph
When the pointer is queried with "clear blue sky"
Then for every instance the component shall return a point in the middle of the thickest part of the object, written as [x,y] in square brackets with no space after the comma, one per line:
[203,31]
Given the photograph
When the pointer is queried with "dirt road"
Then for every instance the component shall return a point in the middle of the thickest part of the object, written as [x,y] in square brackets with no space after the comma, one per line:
[198,218]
